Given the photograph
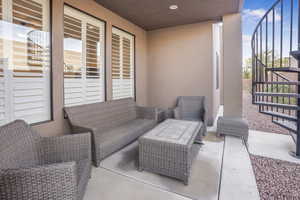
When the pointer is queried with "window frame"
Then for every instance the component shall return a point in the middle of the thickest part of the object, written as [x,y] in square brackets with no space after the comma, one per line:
[50,24]
[217,71]
[51,66]
[134,59]
[104,51]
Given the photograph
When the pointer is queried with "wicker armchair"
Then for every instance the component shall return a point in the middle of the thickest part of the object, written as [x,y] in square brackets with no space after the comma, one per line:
[192,108]
[39,168]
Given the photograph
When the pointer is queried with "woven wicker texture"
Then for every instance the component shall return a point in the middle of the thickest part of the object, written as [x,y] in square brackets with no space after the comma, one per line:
[167,149]
[37,168]
[113,124]
[233,126]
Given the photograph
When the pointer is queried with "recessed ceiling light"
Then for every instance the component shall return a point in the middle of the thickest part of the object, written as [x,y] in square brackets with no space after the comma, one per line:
[173,7]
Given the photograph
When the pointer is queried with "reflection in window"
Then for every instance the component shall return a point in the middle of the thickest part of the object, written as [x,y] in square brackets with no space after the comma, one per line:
[25,61]
[72,47]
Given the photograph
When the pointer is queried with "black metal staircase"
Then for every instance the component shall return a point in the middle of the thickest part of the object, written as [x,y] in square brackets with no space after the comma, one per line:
[276,69]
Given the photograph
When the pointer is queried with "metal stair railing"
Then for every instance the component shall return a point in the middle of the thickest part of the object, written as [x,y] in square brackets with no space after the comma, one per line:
[275,66]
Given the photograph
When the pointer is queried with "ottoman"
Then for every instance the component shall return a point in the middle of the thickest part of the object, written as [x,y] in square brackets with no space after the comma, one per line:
[233,126]
[168,148]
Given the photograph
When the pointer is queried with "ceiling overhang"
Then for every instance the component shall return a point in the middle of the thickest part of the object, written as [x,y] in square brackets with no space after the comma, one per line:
[155,14]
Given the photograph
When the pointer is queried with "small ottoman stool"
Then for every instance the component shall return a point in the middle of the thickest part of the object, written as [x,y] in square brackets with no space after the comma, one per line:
[233,126]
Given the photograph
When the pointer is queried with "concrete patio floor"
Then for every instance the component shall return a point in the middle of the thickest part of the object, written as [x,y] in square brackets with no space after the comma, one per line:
[237,179]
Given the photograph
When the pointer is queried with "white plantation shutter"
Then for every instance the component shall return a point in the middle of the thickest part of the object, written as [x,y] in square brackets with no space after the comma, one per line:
[73,86]
[116,57]
[122,64]
[83,58]
[25,61]
[94,64]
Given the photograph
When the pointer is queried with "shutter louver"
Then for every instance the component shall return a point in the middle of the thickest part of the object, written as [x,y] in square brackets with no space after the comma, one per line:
[116,71]
[122,64]
[84,58]
[126,59]
[94,75]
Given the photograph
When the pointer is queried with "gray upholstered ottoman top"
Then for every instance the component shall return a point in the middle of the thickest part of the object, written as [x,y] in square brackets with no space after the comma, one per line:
[234,122]
[174,131]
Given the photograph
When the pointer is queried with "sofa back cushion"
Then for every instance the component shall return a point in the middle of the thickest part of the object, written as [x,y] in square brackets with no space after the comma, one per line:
[18,146]
[192,107]
[104,115]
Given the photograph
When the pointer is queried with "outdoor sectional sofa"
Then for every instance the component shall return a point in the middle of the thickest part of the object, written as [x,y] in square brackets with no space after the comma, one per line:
[113,124]
[34,167]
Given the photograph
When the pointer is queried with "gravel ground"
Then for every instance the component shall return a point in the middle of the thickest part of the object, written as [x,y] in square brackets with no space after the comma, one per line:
[276,179]
[258,121]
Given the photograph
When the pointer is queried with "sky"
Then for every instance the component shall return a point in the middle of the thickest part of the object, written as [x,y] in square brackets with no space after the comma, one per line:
[253,11]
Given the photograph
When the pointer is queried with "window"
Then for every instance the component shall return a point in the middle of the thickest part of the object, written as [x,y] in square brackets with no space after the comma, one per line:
[25,50]
[122,64]
[83,58]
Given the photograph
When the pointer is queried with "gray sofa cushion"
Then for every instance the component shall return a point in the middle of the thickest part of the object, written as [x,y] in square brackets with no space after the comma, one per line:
[113,124]
[118,137]
[103,116]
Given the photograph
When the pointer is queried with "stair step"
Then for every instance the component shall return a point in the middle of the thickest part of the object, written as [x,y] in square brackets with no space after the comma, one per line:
[280,83]
[287,106]
[296,54]
[291,126]
[280,115]
[284,69]
[277,94]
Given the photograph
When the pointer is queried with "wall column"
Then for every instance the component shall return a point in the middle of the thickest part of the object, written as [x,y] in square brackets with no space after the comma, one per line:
[232,58]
